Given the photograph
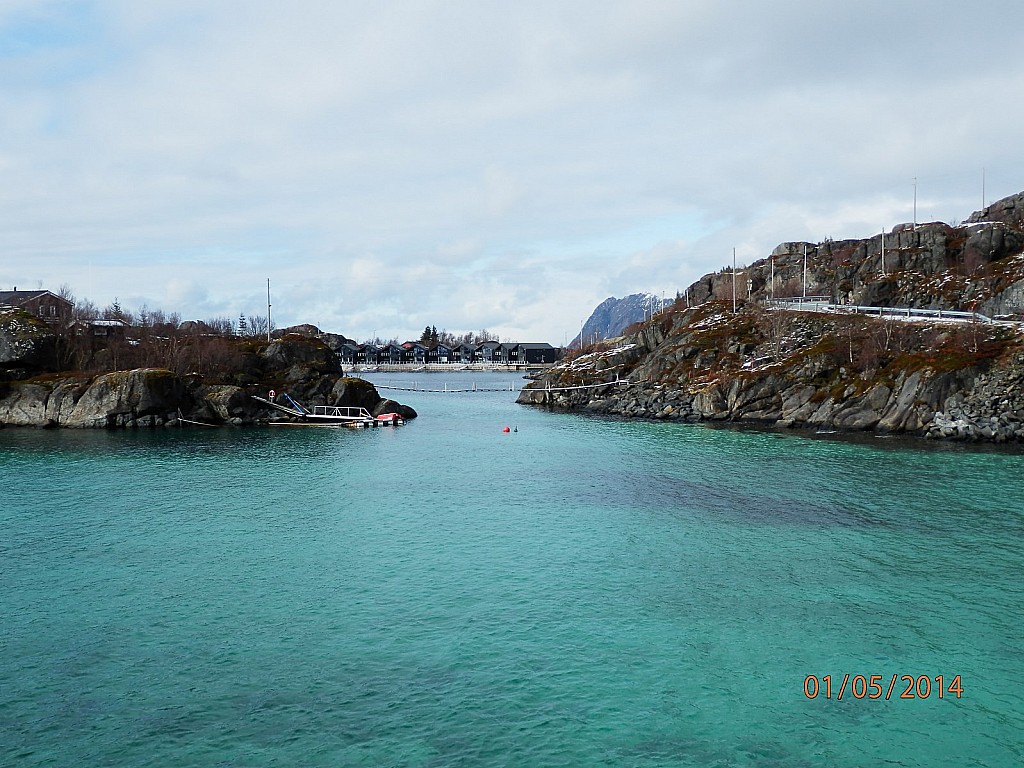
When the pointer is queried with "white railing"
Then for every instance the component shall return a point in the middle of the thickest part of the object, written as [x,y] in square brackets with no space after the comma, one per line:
[824,304]
[341,412]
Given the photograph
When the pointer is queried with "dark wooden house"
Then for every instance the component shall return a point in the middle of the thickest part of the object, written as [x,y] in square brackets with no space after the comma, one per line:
[43,304]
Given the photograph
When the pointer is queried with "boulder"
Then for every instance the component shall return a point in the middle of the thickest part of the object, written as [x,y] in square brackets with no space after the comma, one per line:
[303,329]
[122,397]
[227,401]
[64,396]
[355,393]
[23,404]
[390,406]
[991,243]
[285,353]
[26,342]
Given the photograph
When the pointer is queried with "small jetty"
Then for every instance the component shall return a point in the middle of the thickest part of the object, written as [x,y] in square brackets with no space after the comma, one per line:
[352,417]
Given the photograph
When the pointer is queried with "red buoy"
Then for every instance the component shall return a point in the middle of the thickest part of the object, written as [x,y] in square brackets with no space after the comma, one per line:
[506,429]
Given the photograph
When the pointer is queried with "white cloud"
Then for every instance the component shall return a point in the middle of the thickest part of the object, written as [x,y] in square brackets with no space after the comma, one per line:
[467,165]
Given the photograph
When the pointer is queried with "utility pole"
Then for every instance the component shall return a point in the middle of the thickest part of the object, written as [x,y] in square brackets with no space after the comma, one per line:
[268,309]
[983,189]
[805,272]
[734,281]
[883,251]
[915,203]
[773,278]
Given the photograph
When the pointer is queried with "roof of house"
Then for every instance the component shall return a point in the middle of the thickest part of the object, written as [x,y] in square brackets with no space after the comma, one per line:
[16,298]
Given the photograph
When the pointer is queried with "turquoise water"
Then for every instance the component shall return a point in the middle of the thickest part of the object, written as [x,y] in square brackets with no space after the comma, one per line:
[578,592]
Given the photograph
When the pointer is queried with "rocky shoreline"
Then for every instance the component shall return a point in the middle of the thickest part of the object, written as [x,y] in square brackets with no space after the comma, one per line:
[157,397]
[708,365]
[752,360]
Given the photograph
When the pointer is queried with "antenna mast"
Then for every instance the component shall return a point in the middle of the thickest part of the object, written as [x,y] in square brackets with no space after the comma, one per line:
[734,281]
[883,251]
[915,202]
[805,272]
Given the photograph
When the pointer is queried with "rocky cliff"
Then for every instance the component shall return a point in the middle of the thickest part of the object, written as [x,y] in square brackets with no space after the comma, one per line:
[698,360]
[802,370]
[978,266]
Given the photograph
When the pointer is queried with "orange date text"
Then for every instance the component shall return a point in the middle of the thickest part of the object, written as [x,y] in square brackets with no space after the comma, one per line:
[882,686]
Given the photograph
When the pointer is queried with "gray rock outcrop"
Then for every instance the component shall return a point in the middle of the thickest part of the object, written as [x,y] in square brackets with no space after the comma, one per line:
[156,397]
[143,397]
[27,344]
[974,266]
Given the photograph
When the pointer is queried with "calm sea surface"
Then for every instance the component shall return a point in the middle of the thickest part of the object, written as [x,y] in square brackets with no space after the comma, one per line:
[580,592]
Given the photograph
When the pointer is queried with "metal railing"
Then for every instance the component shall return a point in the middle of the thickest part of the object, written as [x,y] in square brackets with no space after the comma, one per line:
[341,412]
[825,304]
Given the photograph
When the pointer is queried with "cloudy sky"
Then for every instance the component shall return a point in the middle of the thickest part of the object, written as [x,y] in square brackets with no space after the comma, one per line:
[500,165]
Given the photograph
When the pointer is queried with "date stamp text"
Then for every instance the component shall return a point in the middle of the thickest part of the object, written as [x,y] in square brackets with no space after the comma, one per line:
[879,686]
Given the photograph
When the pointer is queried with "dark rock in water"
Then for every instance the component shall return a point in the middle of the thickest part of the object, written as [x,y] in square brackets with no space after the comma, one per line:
[390,406]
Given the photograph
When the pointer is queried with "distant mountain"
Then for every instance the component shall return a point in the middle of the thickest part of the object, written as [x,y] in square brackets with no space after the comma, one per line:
[612,316]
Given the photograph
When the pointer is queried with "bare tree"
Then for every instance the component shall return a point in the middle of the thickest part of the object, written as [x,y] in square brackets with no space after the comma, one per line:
[257,326]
